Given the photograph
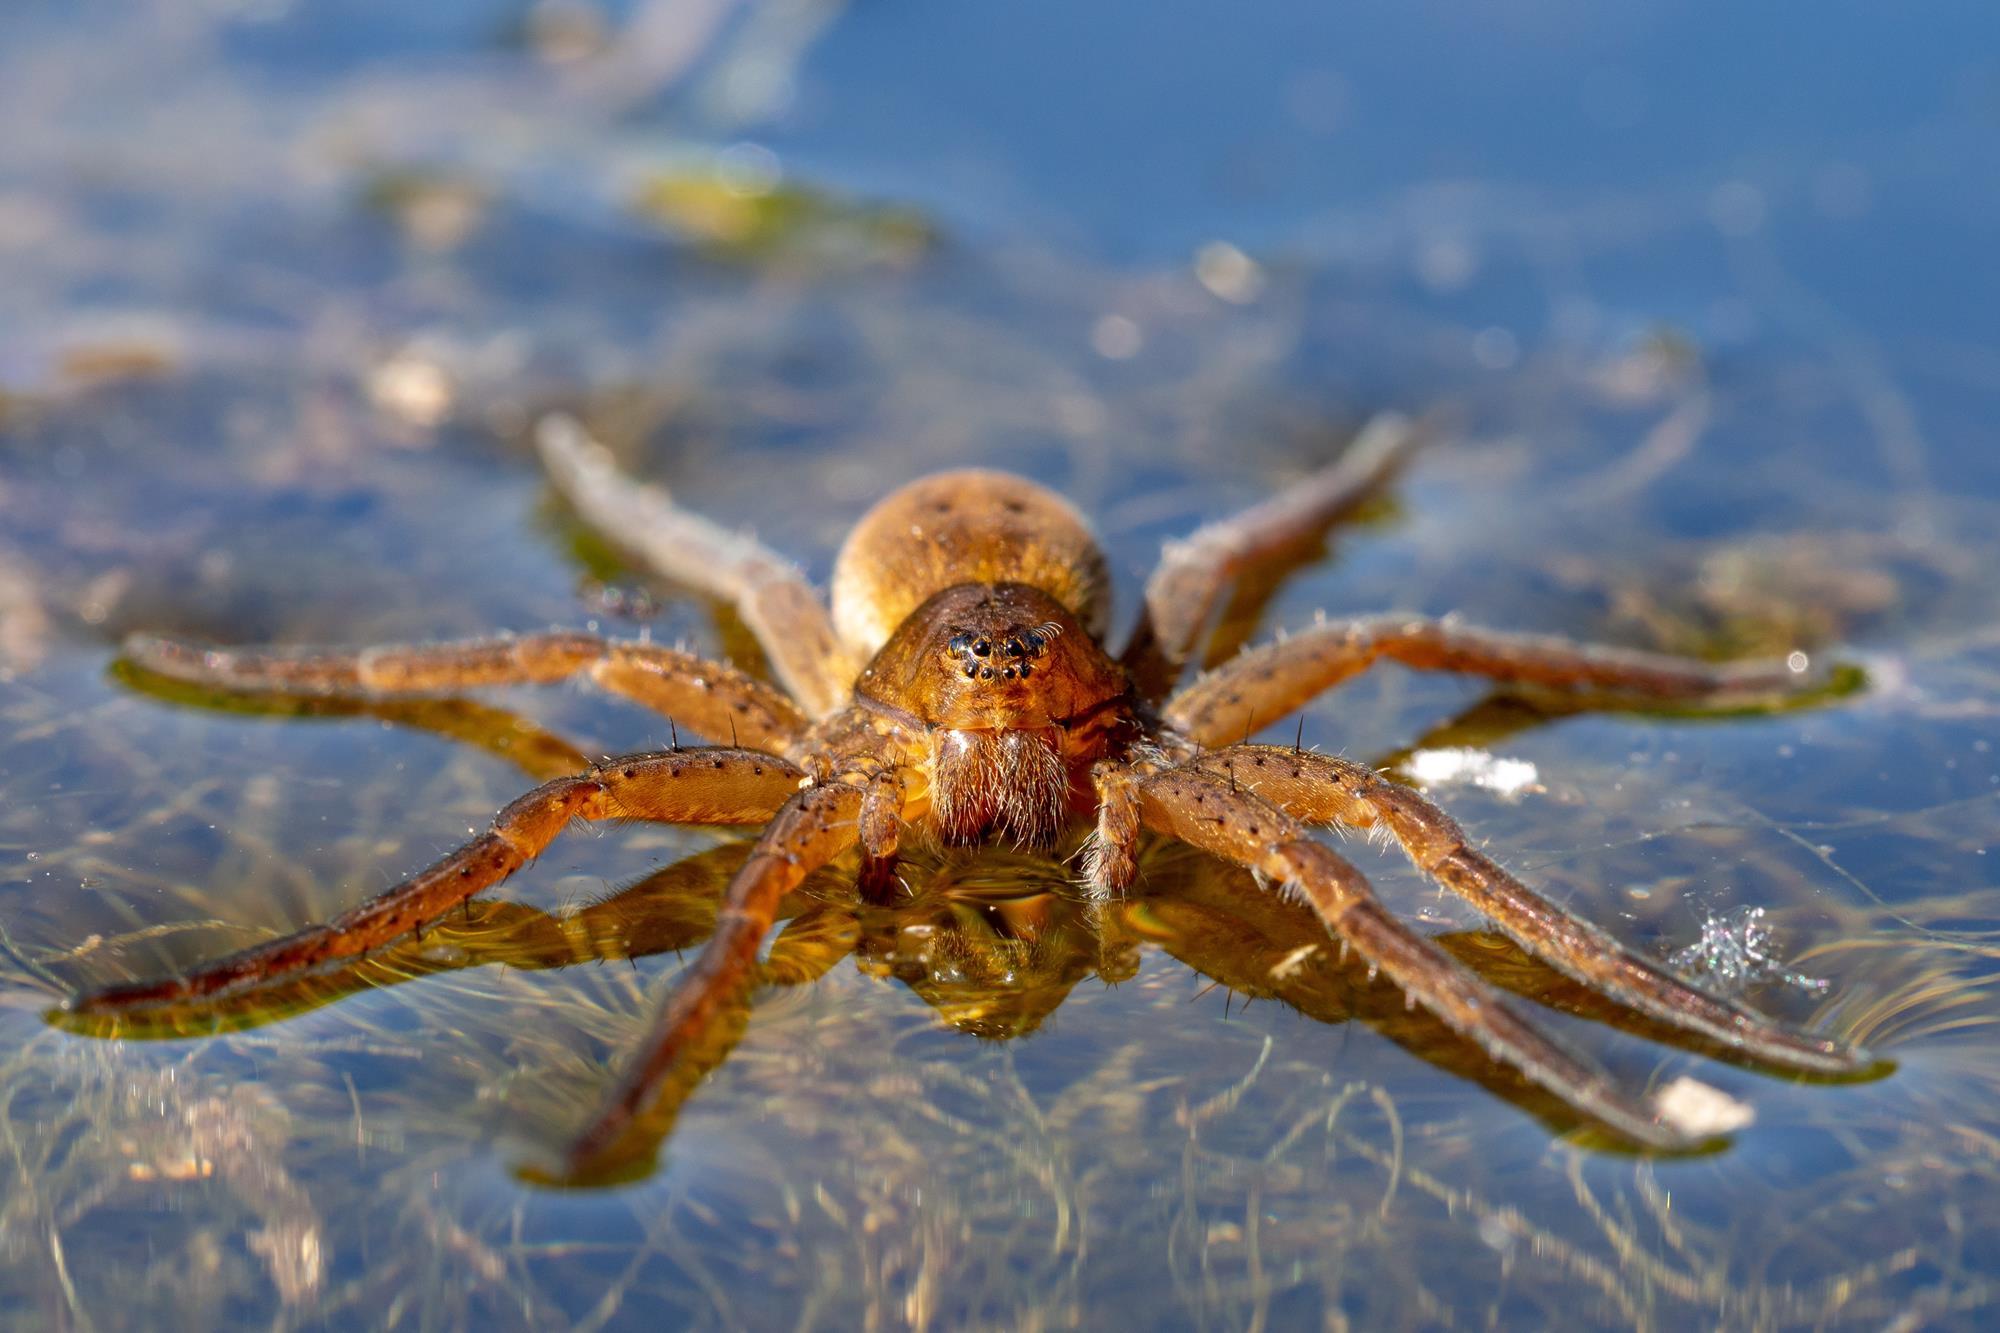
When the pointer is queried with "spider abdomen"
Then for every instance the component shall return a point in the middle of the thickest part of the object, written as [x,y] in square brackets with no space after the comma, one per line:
[964,527]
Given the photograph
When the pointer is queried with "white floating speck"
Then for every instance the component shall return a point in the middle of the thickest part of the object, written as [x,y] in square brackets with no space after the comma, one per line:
[1696,1109]
[412,388]
[1117,337]
[1457,767]
[1285,968]
[1228,273]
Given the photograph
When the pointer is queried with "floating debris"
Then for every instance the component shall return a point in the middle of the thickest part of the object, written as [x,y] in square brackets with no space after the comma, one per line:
[1457,767]
[1288,967]
[413,388]
[1228,273]
[1735,952]
[1696,1109]
[743,208]
[436,211]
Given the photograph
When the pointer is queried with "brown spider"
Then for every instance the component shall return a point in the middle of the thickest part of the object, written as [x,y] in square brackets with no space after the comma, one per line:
[960,686]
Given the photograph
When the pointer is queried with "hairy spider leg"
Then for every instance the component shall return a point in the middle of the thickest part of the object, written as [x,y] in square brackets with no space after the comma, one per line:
[670,910]
[1321,789]
[712,698]
[696,786]
[503,733]
[1265,683]
[780,608]
[814,826]
[1240,826]
[1187,586]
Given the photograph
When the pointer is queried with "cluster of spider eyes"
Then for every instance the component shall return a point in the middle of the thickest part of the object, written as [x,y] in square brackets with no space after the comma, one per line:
[1007,659]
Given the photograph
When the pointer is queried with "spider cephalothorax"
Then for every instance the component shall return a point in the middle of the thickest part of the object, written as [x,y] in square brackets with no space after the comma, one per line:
[959,684]
[1008,733]
[1009,655]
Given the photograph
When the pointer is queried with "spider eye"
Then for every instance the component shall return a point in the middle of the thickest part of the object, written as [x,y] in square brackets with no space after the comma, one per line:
[981,648]
[958,643]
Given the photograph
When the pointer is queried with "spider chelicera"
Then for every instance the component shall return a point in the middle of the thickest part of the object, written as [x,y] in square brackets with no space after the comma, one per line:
[959,687]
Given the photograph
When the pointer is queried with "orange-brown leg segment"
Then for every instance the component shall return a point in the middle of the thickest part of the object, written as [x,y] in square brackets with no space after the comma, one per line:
[772,596]
[1185,590]
[1323,789]
[696,786]
[815,825]
[715,700]
[1241,826]
[535,750]
[1264,684]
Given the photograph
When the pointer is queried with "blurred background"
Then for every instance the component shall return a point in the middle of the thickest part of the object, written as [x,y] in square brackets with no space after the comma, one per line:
[1706,291]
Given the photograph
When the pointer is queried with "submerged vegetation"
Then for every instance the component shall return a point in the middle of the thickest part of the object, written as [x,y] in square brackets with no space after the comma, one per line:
[745,212]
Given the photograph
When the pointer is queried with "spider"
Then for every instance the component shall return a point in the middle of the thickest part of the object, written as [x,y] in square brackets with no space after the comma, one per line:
[959,687]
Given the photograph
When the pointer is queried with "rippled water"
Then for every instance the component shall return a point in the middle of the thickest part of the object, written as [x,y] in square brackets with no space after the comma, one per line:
[1708,300]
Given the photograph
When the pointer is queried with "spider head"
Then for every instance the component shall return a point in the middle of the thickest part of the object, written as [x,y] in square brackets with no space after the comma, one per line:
[1014,698]
[991,656]
[1011,657]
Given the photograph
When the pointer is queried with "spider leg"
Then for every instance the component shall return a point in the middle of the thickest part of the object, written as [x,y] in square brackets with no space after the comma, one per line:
[1238,825]
[772,596]
[814,826]
[1263,684]
[714,699]
[1323,789]
[696,786]
[670,910]
[1184,591]
[534,749]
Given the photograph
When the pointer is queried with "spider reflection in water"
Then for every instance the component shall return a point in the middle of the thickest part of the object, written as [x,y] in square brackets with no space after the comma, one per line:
[959,688]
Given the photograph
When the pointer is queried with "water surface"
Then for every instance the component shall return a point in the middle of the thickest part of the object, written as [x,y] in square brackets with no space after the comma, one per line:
[1709,297]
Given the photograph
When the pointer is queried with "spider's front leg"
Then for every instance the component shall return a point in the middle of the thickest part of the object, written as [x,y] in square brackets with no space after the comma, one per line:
[712,698]
[1264,684]
[1324,789]
[695,786]
[1240,826]
[814,826]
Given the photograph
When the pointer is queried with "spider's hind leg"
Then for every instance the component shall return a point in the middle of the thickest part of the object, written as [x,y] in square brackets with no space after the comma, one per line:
[774,599]
[1183,593]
